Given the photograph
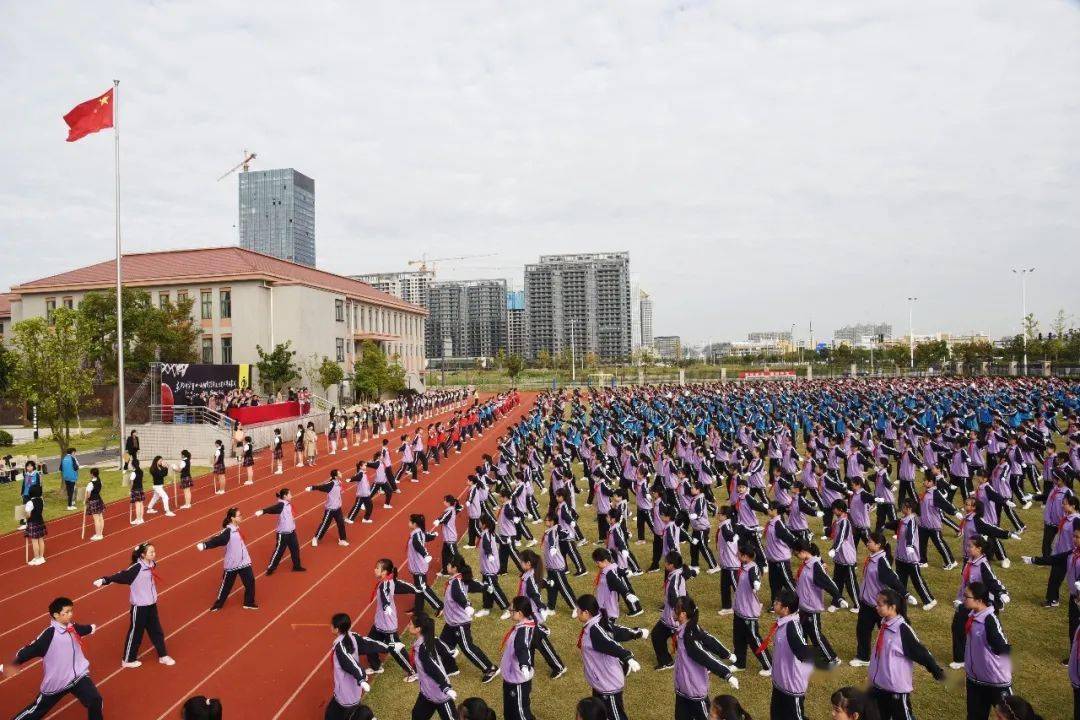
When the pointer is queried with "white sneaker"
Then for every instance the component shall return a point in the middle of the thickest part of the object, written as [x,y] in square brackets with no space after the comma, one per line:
[166,660]
[97,537]
[366,521]
[388,507]
[299,464]
[956,665]
[856,662]
[530,543]
[505,615]
[765,673]
[170,514]
[134,664]
[314,542]
[220,492]
[481,613]
[930,605]
[279,472]
[726,611]
[343,543]
[249,482]
[72,507]
[714,570]
[185,506]
[151,511]
[139,521]
[351,522]
[410,678]
[1006,563]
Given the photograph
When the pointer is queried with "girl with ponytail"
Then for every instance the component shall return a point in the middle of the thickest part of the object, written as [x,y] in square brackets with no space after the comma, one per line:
[286,531]
[237,561]
[528,588]
[606,663]
[458,614]
[726,707]
[877,574]
[435,695]
[419,562]
[516,663]
[384,629]
[695,657]
[142,594]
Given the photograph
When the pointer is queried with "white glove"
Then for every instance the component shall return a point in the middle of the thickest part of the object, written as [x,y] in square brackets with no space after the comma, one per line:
[427,558]
[400,647]
[959,516]
[388,610]
[364,687]
[733,682]
[819,514]
[491,558]
[1077,586]
[832,552]
[99,582]
[200,546]
[957,603]
[307,489]
[1005,599]
[452,694]
[625,554]
[694,541]
[526,672]
[1027,559]
[631,597]
[469,610]
[644,633]
[436,523]
[693,516]
[757,585]
[634,665]
[258,513]
[1010,503]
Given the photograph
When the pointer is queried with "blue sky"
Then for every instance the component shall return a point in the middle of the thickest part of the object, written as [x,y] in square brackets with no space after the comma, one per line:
[764,163]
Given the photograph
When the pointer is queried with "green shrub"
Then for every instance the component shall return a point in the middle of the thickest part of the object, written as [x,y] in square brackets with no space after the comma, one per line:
[5,439]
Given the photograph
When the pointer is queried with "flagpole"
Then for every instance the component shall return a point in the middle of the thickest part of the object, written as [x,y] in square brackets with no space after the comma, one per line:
[119,259]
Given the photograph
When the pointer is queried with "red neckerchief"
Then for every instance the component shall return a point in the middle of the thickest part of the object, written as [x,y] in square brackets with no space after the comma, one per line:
[376,589]
[506,637]
[798,573]
[880,637]
[153,574]
[70,629]
[968,623]
[768,639]
[967,571]
[580,637]
[599,574]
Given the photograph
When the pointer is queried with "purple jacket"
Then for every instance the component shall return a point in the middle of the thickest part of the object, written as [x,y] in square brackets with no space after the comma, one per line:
[517,652]
[347,672]
[236,552]
[434,685]
[792,655]
[747,604]
[61,656]
[987,653]
[602,658]
[139,577]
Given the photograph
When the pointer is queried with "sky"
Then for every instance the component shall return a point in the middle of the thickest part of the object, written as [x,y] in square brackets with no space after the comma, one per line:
[765,164]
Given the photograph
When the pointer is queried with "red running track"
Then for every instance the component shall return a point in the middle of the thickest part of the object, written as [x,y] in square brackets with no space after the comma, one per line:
[255,661]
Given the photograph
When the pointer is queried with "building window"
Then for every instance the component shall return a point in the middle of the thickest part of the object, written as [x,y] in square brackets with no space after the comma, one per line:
[208,350]
[50,308]
[339,310]
[207,302]
[226,303]
[226,350]
[340,343]
[163,300]
[181,296]
[68,303]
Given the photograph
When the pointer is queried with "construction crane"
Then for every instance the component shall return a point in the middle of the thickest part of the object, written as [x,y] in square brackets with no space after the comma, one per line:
[423,261]
[243,165]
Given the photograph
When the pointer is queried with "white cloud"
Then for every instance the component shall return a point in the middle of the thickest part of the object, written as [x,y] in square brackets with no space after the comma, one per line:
[763,162]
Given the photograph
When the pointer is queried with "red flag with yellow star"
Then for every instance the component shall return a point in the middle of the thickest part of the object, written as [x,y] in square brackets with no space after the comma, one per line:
[90,116]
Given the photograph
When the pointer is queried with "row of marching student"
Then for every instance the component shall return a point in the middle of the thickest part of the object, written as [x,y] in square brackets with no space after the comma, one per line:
[60,646]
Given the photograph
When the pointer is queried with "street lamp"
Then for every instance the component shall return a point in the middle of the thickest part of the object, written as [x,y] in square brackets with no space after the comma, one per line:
[1023,273]
[911,332]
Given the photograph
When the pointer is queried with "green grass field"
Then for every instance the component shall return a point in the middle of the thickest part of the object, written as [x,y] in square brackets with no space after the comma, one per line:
[56,498]
[1038,637]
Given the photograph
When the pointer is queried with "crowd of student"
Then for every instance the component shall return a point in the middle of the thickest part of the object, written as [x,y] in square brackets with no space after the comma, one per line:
[740,481]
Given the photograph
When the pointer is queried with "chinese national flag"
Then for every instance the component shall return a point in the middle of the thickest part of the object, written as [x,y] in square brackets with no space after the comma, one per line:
[90,116]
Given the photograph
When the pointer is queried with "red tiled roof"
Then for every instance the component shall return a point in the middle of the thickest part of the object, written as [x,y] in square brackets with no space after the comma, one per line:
[217,264]
[5,305]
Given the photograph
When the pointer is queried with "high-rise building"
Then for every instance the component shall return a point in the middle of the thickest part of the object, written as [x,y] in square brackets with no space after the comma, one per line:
[645,302]
[668,347]
[466,318]
[583,296]
[411,286]
[516,337]
[277,214]
[862,333]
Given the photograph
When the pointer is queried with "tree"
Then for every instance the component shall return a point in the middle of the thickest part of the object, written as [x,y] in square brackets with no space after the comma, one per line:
[51,370]
[543,359]
[931,353]
[514,366]
[7,368]
[899,355]
[500,359]
[591,360]
[373,374]
[277,368]
[330,375]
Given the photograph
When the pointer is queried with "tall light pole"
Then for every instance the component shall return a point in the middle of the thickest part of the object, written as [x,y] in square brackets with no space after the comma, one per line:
[1023,273]
[573,350]
[910,331]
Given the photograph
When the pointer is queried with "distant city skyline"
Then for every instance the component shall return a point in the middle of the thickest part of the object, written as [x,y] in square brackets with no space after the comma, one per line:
[863,160]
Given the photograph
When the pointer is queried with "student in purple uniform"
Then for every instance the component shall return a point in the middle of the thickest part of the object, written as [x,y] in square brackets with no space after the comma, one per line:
[696,655]
[976,569]
[447,524]
[778,544]
[141,579]
[842,553]
[363,495]
[745,632]
[489,571]
[792,659]
[331,509]
[610,585]
[987,654]
[565,514]
[65,668]
[699,528]
[1074,672]
[811,583]
[516,662]
[458,613]
[877,574]
[859,504]
[419,561]
[604,661]
[895,651]
[552,541]
[907,554]
[435,695]
[727,554]
[237,561]
[350,680]
[974,525]
[1060,550]
[506,530]
[285,531]
[1053,499]
[746,520]
[933,506]
[385,626]
[528,587]
[850,703]
[675,577]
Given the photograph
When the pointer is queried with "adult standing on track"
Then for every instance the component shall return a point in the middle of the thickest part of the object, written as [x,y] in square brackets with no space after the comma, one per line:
[286,532]
[158,471]
[65,668]
[331,509]
[237,561]
[69,473]
[141,579]
[95,506]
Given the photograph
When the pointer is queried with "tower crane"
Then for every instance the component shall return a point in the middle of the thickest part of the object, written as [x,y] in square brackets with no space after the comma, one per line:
[243,165]
[423,262]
